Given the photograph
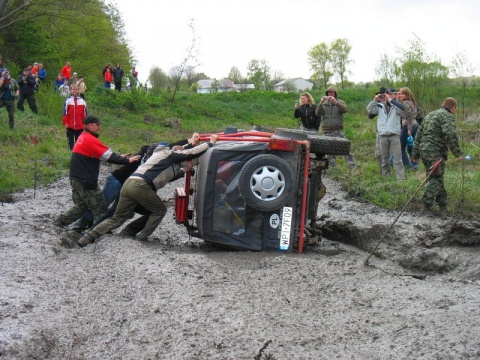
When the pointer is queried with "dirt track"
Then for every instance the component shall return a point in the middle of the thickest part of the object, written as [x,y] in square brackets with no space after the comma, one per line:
[179,298]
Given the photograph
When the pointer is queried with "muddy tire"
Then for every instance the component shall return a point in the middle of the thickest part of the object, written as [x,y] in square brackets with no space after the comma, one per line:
[328,145]
[267,182]
[319,144]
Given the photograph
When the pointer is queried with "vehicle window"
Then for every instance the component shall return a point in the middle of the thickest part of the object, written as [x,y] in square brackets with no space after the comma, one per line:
[229,207]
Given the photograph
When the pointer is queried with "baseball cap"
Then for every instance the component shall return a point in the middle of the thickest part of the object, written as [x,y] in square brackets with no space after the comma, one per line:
[392,91]
[90,119]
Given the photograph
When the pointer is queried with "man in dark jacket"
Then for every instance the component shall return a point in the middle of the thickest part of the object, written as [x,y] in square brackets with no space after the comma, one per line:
[27,83]
[117,77]
[84,172]
[141,188]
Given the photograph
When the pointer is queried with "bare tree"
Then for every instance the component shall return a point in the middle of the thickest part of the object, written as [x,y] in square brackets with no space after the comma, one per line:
[463,69]
[190,57]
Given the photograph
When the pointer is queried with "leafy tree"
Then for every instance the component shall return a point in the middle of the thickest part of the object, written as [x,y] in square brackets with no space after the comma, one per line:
[386,70]
[419,72]
[319,58]
[235,75]
[259,73]
[86,33]
[157,78]
[339,52]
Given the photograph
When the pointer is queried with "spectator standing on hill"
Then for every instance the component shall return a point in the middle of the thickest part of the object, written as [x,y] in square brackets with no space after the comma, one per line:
[64,89]
[27,83]
[305,110]
[42,73]
[58,83]
[74,78]
[108,78]
[331,110]
[389,113]
[74,112]
[118,74]
[141,188]
[409,125]
[2,66]
[66,71]
[437,135]
[9,90]
[82,87]
[84,172]
[134,78]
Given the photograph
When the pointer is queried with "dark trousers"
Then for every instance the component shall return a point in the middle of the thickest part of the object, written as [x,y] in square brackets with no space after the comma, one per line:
[10,106]
[72,136]
[118,86]
[30,100]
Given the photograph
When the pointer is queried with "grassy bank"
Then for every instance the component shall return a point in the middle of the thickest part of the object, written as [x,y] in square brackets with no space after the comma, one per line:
[132,119]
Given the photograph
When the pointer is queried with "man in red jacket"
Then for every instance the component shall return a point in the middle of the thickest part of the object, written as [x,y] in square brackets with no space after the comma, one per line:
[84,172]
[67,71]
[74,111]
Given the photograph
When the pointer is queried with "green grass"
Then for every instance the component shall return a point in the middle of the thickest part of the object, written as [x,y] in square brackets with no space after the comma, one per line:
[125,130]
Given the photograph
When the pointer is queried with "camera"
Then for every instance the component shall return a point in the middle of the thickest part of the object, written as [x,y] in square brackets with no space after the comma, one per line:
[382,96]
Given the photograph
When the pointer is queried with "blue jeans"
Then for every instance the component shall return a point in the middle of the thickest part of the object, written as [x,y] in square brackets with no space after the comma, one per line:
[111,193]
[405,147]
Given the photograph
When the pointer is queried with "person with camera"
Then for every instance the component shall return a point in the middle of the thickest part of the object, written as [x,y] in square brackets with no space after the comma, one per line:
[27,84]
[409,126]
[8,92]
[331,110]
[305,110]
[389,113]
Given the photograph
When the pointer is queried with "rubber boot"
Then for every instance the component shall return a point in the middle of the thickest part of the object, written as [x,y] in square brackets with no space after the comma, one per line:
[443,212]
[426,211]
[85,240]
[81,224]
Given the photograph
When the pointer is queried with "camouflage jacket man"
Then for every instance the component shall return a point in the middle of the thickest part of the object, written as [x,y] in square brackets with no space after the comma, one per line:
[436,135]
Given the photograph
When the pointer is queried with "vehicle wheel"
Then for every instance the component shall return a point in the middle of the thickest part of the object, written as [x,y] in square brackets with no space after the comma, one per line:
[329,145]
[266,182]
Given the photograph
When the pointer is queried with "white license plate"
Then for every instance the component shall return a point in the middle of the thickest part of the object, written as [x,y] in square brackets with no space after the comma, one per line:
[287,217]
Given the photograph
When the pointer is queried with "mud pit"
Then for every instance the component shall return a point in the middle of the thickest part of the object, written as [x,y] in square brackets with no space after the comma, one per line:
[179,298]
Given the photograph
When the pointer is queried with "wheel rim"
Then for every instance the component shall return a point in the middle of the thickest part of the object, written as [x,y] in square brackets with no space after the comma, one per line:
[267,183]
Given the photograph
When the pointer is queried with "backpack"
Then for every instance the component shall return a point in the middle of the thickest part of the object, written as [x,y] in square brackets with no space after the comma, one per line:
[419,116]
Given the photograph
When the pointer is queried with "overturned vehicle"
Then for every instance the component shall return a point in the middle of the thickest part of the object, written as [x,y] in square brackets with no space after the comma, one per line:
[258,190]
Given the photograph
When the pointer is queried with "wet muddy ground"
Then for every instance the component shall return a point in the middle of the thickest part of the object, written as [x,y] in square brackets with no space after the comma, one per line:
[176,297]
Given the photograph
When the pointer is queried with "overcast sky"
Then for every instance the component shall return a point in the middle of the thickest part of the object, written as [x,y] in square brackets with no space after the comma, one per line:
[231,33]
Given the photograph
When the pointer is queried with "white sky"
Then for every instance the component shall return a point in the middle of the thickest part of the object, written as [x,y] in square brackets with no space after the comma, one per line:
[231,33]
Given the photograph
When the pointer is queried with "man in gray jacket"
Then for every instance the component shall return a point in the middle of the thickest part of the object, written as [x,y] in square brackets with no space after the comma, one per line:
[389,113]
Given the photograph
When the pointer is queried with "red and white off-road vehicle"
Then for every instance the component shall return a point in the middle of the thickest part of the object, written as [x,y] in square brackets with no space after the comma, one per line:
[258,190]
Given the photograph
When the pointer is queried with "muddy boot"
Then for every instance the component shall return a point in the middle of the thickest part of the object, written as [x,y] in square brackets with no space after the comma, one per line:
[59,222]
[443,212]
[426,211]
[85,240]
[81,224]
